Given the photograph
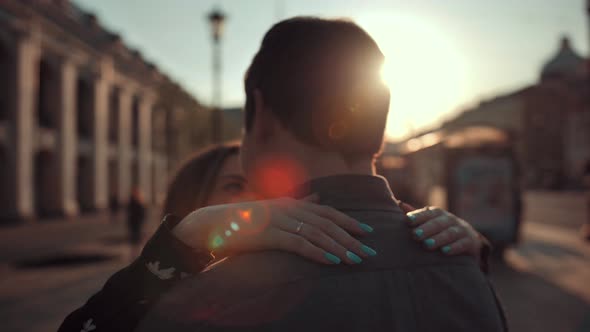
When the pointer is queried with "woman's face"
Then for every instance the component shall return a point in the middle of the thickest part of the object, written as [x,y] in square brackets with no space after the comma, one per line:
[230,185]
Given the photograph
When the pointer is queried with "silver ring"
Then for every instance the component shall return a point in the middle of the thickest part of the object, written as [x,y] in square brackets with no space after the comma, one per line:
[299,227]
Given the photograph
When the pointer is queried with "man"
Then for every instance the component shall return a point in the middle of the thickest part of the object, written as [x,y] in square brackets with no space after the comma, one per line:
[315,116]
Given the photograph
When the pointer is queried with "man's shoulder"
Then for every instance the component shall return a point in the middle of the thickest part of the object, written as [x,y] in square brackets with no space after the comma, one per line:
[258,269]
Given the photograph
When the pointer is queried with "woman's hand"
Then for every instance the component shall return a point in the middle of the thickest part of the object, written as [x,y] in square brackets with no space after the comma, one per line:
[437,228]
[317,232]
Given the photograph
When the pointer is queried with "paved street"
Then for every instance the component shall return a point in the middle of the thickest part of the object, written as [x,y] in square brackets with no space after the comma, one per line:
[34,297]
[543,285]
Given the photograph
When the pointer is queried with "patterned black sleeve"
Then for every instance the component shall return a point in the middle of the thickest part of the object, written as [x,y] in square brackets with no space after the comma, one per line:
[484,255]
[129,293]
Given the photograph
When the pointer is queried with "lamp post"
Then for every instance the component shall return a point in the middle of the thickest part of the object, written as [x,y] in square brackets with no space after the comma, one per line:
[216,20]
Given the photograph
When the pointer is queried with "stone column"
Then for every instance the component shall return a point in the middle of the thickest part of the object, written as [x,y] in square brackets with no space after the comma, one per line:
[160,178]
[124,147]
[101,144]
[21,137]
[144,157]
[67,138]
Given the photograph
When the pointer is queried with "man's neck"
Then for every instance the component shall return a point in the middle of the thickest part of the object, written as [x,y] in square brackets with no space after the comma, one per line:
[317,163]
[316,166]
[280,174]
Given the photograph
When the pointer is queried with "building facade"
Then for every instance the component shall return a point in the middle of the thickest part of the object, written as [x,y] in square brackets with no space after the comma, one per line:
[549,121]
[83,118]
[556,121]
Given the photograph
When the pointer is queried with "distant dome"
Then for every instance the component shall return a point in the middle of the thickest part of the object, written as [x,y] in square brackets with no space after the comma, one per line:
[566,63]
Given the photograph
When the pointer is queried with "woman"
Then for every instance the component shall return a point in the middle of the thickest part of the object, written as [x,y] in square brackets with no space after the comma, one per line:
[213,178]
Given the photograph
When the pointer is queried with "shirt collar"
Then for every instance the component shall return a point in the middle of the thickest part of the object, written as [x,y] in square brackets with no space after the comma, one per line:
[351,191]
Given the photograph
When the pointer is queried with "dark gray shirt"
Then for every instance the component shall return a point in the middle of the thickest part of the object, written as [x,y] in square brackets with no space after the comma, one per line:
[403,288]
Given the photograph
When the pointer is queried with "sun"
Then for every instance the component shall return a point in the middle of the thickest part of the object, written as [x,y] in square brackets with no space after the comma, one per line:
[423,68]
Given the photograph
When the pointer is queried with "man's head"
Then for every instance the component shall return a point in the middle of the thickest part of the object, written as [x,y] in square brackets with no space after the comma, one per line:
[315,83]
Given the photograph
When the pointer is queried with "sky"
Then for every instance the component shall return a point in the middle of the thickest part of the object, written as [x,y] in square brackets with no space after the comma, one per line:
[442,56]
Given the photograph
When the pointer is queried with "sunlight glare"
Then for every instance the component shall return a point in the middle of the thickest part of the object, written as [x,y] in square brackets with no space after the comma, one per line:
[423,68]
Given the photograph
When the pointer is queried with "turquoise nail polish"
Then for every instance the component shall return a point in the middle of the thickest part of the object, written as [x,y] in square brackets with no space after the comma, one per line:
[419,232]
[332,258]
[446,249]
[353,257]
[370,251]
[429,243]
[412,217]
[366,227]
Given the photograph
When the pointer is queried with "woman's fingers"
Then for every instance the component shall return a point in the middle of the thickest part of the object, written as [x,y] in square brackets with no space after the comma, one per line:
[317,232]
[299,245]
[433,226]
[462,246]
[325,234]
[446,232]
[344,221]
[446,237]
[420,216]
[313,198]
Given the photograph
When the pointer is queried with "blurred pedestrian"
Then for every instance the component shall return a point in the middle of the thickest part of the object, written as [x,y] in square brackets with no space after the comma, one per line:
[211,177]
[136,212]
[114,208]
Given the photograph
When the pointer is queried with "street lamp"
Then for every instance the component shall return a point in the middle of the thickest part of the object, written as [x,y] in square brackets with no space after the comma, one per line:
[216,20]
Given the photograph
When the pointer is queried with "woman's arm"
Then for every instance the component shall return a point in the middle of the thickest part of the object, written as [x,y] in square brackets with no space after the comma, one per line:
[317,232]
[129,293]
[179,249]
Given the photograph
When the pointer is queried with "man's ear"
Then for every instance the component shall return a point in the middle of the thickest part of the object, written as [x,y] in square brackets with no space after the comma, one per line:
[264,122]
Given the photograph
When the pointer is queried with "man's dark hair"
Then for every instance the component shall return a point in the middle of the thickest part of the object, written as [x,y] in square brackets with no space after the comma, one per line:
[321,79]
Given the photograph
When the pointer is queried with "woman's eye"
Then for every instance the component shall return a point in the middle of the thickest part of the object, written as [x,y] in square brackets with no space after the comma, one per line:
[234,187]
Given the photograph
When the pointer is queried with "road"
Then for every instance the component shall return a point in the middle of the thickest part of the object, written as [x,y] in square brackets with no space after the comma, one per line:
[49,269]
[544,284]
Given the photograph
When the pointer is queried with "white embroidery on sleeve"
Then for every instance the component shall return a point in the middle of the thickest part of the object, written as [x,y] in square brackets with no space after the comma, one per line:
[163,274]
[88,326]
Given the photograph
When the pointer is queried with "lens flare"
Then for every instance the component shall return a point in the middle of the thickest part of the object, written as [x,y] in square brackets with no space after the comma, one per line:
[278,176]
[251,221]
[217,242]
[245,215]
